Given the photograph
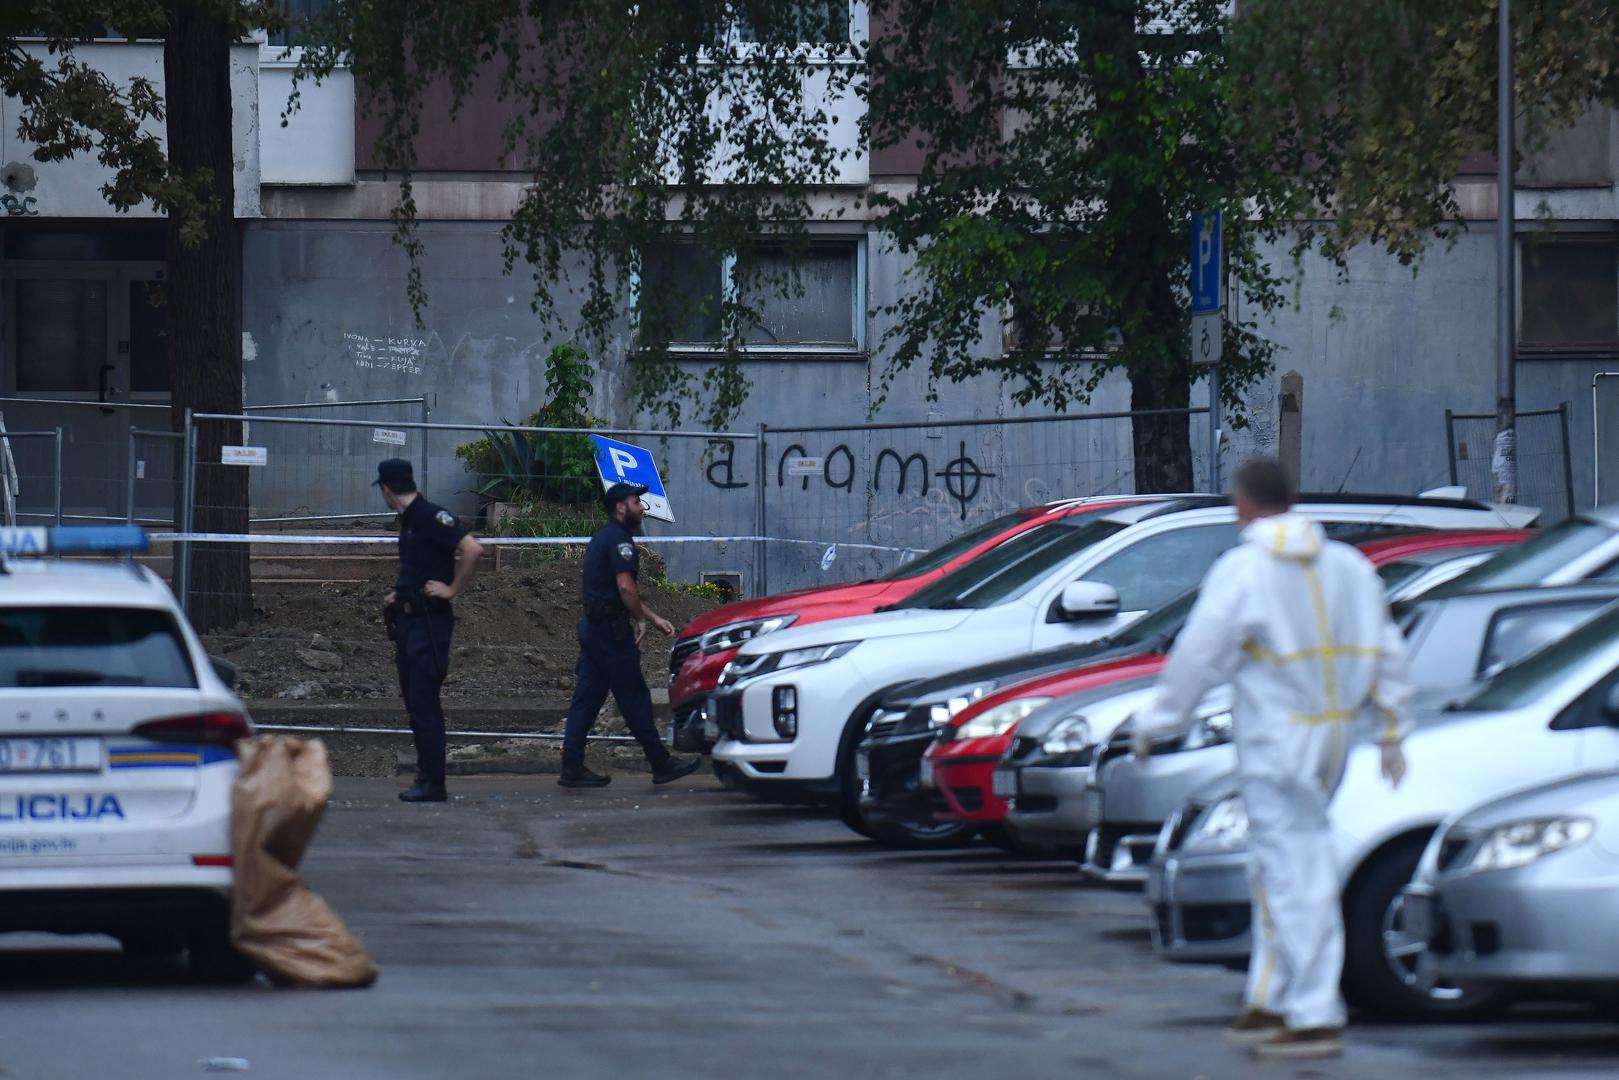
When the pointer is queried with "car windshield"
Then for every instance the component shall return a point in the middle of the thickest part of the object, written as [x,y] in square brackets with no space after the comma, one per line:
[1532,561]
[91,646]
[945,553]
[1398,573]
[1166,620]
[1011,569]
[1539,673]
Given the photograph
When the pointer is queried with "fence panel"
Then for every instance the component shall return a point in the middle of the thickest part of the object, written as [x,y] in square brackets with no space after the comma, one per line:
[1545,476]
[854,502]
[35,474]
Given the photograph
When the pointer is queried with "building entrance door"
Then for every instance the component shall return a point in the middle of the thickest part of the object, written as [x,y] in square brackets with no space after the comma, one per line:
[84,349]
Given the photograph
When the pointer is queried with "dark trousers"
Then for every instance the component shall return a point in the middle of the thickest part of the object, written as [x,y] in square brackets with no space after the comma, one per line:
[422,655]
[609,661]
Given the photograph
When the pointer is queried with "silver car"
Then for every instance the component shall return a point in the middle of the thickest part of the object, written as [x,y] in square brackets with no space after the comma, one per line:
[1521,889]
[1548,716]
[1454,642]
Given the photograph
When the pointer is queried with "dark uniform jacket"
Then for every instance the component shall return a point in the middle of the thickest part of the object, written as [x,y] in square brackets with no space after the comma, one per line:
[428,535]
[611,552]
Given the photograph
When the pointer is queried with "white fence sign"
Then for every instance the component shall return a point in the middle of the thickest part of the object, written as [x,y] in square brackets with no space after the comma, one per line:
[388,435]
[244,455]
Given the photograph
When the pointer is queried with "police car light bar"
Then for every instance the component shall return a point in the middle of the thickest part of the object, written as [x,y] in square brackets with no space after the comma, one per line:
[73,540]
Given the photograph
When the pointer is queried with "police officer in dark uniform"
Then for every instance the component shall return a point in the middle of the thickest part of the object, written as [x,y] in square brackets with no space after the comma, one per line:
[418,615]
[610,633]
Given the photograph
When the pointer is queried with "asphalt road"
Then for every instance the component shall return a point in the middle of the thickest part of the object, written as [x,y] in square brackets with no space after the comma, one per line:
[524,931]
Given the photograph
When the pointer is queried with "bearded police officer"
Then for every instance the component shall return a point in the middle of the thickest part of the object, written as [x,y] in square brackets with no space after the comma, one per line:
[418,615]
[610,633]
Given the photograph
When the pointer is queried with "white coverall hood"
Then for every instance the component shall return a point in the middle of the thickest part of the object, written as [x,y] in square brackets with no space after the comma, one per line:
[1299,626]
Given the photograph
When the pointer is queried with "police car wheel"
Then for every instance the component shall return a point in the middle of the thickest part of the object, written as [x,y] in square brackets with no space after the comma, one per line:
[214,959]
[152,946]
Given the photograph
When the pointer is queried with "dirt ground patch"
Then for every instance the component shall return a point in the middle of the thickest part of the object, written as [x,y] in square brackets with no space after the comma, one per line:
[514,638]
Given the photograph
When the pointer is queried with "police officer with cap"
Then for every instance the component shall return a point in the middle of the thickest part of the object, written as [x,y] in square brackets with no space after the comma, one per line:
[418,615]
[610,633]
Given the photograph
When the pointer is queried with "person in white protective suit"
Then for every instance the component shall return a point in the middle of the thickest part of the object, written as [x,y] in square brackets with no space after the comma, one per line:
[1299,626]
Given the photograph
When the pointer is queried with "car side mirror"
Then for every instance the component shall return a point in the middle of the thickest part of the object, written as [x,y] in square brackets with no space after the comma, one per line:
[1088,600]
[226,671]
[1610,705]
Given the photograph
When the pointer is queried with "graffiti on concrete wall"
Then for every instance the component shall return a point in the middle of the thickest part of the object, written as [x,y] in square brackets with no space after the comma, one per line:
[398,354]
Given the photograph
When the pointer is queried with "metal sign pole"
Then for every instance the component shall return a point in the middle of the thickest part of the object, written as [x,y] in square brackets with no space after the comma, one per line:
[761,547]
[188,496]
[59,474]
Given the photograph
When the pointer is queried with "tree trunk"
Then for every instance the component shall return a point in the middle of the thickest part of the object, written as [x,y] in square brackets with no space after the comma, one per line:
[1160,376]
[201,299]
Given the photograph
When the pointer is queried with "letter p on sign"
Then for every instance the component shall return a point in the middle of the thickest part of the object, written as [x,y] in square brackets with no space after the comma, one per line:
[625,463]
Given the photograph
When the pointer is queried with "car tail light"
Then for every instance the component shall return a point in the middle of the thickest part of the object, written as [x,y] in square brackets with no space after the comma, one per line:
[210,860]
[215,727]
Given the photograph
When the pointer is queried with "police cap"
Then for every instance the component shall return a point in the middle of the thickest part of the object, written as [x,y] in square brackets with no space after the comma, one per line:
[397,474]
[619,492]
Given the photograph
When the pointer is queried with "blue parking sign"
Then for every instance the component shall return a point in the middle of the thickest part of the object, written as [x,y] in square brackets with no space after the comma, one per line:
[626,463]
[1208,267]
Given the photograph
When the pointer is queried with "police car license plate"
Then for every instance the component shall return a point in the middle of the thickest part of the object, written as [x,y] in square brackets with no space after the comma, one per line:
[50,755]
[1004,783]
[925,777]
[1093,805]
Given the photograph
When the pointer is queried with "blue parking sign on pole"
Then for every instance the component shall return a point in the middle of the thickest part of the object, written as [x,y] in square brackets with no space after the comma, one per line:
[626,463]
[1207,263]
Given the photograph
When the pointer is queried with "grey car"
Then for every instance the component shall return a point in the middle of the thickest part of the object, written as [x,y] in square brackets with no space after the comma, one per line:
[1454,641]
[1522,888]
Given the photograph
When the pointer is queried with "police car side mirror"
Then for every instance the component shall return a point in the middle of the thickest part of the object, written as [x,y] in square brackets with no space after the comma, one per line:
[1088,600]
[226,671]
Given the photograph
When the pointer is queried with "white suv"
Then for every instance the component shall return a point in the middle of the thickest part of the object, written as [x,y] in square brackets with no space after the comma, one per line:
[785,705]
[116,755]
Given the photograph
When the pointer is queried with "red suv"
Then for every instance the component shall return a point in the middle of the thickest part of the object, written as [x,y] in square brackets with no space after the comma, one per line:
[709,642]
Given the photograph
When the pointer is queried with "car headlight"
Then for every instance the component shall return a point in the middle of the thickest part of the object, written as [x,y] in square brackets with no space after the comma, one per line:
[814,654]
[1523,842]
[1208,729]
[1224,825]
[734,635]
[1069,736]
[999,720]
[955,700]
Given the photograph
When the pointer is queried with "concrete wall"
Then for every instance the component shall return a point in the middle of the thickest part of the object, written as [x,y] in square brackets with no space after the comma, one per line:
[72,188]
[1383,353]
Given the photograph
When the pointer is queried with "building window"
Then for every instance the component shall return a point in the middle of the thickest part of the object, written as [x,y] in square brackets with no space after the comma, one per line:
[297,12]
[681,292]
[815,22]
[1569,295]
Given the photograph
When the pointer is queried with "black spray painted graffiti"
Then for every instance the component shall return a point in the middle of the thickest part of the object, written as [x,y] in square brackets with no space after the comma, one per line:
[963,477]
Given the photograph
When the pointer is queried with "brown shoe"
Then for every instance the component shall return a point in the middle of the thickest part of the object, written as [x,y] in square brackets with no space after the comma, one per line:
[1321,1042]
[1255,1024]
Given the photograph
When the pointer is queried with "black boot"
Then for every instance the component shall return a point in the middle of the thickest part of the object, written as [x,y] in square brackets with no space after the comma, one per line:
[424,791]
[674,768]
[579,776]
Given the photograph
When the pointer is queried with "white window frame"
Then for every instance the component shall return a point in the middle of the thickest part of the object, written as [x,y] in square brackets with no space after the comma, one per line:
[857,307]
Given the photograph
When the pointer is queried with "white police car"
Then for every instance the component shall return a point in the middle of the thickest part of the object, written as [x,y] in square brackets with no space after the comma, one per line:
[116,754]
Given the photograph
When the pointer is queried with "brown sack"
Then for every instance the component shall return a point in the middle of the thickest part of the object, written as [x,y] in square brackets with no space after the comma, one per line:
[288,932]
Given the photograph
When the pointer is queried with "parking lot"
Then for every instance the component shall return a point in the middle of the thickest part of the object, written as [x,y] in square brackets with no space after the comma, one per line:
[527,931]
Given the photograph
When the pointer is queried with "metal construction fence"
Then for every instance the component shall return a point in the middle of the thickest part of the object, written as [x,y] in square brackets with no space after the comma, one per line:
[856,501]
[758,512]
[1545,470]
[116,461]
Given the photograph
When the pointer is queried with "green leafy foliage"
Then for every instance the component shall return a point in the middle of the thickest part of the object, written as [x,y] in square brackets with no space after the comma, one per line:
[1368,110]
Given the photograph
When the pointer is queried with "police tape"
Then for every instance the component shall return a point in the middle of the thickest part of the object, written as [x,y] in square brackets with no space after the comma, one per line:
[509,541]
